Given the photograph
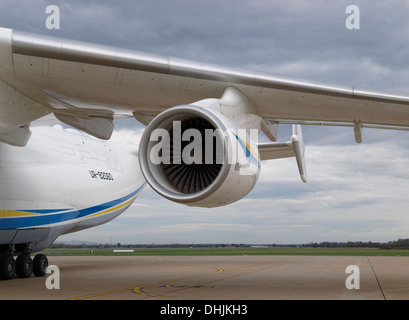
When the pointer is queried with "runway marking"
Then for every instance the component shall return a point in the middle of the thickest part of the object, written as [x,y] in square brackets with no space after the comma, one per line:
[139,289]
[377,280]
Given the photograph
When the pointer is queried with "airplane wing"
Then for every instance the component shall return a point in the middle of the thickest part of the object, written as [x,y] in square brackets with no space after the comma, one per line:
[87,85]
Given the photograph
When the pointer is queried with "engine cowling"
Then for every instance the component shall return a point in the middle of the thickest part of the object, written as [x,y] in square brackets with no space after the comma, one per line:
[198,157]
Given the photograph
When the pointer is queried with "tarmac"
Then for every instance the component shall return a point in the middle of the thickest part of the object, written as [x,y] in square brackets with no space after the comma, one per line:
[215,278]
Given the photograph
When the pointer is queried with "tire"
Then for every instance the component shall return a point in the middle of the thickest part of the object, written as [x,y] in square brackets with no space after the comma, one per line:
[24,267]
[7,266]
[40,264]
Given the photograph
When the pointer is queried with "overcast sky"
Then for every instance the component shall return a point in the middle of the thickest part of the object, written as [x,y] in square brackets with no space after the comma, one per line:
[354,192]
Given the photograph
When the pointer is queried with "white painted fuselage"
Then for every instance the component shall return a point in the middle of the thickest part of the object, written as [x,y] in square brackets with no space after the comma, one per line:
[63,181]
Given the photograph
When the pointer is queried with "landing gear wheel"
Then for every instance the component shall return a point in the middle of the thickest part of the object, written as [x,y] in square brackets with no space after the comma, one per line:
[40,264]
[24,266]
[7,266]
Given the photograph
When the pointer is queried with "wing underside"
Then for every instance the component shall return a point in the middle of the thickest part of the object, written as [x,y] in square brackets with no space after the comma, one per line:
[89,85]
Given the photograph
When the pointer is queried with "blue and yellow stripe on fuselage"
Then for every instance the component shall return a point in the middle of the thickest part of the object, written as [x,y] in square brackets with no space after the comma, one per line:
[16,219]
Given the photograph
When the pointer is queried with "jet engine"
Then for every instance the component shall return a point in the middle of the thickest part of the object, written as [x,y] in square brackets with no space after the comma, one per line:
[198,157]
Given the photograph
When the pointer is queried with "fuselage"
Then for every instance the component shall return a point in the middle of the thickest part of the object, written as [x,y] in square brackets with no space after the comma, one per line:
[63,181]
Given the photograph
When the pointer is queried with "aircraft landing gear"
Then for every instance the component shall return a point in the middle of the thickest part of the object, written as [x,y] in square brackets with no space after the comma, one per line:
[40,264]
[7,266]
[23,266]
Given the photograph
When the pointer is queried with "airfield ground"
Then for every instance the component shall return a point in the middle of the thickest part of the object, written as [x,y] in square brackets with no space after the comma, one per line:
[218,274]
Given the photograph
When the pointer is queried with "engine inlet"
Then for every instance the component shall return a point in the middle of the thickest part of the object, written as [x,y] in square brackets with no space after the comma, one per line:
[194,152]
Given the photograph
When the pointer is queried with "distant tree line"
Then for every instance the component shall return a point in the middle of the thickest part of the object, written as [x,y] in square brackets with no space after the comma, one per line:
[400,243]
[349,244]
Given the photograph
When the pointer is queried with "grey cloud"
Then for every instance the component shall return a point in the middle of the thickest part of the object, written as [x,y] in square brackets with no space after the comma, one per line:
[264,35]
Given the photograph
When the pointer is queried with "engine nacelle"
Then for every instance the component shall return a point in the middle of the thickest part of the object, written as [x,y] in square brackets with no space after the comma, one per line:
[198,157]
